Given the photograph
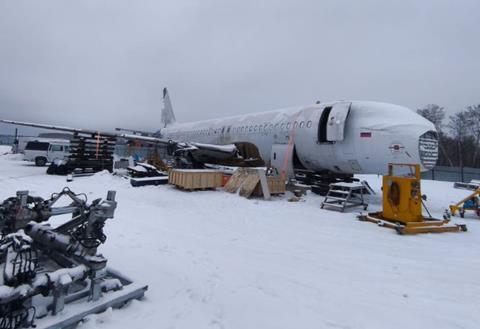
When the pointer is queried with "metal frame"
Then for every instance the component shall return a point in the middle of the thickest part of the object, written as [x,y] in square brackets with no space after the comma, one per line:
[345,195]
[75,312]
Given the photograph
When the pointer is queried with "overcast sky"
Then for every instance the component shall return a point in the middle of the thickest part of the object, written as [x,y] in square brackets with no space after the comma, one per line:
[101,64]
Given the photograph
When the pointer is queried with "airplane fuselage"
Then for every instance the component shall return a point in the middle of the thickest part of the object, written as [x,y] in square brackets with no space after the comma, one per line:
[343,137]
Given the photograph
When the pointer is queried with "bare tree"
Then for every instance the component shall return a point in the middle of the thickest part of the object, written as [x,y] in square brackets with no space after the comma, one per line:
[458,126]
[436,114]
[433,113]
[473,124]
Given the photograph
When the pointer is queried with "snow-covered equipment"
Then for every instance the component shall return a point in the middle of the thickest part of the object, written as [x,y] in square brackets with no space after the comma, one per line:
[470,203]
[196,155]
[343,195]
[141,169]
[319,182]
[88,154]
[94,152]
[403,202]
[472,186]
[54,277]
[143,174]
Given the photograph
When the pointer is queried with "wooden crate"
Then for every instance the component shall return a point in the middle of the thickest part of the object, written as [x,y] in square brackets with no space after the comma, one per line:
[275,185]
[195,179]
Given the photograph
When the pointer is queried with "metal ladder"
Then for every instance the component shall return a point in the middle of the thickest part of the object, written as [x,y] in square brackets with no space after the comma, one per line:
[345,195]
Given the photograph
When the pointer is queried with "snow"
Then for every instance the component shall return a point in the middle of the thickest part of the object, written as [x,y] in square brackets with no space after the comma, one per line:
[197,170]
[138,168]
[216,260]
[348,185]
[228,148]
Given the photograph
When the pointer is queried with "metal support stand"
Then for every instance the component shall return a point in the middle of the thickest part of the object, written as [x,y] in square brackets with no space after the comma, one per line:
[345,195]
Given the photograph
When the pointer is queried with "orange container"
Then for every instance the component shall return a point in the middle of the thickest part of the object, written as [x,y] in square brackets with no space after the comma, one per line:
[225,179]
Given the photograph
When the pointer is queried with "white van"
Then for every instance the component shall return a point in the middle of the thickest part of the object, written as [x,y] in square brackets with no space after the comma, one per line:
[42,152]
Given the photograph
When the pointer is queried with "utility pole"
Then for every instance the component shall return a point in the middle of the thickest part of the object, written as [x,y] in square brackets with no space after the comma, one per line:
[15,142]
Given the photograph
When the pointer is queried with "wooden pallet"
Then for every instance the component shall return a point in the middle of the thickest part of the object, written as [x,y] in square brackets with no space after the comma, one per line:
[249,182]
[275,184]
[195,179]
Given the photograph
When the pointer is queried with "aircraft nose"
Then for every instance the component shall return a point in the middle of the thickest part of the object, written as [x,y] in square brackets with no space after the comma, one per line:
[393,134]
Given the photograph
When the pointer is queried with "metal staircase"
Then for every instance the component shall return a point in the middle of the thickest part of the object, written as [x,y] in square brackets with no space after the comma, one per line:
[346,195]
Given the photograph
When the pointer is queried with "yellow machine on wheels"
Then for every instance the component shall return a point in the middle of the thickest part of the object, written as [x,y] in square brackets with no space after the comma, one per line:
[470,203]
[402,205]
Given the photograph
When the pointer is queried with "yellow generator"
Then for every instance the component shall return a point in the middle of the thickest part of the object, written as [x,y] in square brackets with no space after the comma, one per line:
[403,202]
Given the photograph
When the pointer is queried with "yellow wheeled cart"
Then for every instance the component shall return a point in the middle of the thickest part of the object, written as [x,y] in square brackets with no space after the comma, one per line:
[402,204]
[470,203]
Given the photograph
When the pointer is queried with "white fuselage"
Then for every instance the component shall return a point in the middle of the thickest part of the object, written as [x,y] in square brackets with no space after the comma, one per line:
[350,137]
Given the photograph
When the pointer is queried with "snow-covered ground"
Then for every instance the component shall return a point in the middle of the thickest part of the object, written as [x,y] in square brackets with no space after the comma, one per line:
[216,260]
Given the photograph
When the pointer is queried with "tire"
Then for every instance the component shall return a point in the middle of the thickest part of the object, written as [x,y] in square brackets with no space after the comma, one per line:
[40,161]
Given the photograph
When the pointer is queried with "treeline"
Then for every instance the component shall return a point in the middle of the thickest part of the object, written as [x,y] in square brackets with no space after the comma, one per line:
[459,136]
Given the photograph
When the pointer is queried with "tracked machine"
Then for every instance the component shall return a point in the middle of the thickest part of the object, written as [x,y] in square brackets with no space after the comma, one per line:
[54,277]
[403,203]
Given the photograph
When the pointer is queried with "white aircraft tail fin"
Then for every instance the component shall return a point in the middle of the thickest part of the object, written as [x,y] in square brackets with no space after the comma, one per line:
[168,117]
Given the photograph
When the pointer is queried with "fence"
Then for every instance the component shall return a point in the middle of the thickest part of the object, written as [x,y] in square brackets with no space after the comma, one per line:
[452,174]
[449,174]
[7,139]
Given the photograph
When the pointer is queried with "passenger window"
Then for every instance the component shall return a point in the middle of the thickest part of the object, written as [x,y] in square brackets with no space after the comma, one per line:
[56,148]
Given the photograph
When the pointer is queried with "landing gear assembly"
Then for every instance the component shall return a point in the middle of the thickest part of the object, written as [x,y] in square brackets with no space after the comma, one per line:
[50,270]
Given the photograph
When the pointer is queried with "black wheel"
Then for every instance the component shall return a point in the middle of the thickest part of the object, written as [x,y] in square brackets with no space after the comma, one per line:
[40,161]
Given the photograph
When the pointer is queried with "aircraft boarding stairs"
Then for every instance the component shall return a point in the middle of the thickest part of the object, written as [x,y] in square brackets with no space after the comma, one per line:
[343,195]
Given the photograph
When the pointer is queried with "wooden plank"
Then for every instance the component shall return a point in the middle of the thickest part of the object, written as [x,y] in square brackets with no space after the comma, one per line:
[235,181]
[249,185]
[264,184]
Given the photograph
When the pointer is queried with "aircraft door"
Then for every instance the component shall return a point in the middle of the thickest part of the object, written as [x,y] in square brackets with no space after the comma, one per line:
[336,121]
[281,158]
